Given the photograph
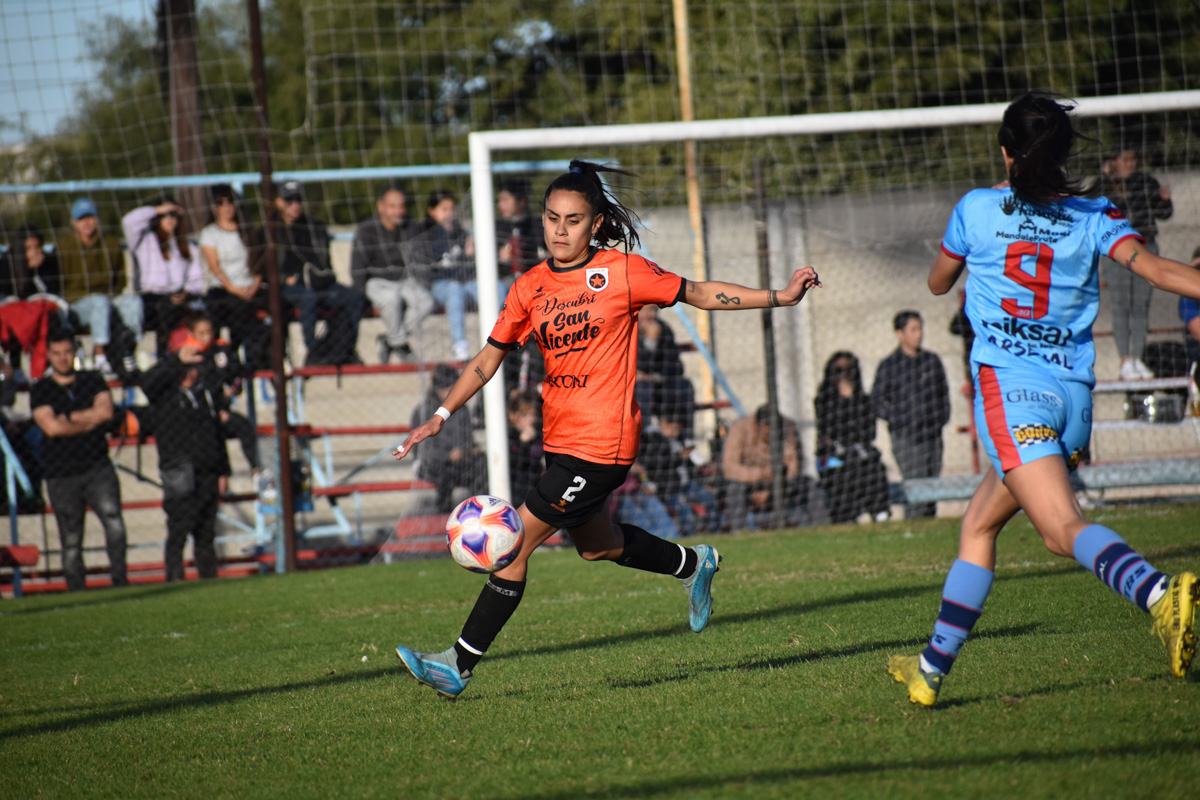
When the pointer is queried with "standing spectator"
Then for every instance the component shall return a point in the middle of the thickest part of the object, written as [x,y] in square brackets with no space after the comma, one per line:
[235,293]
[662,388]
[93,274]
[912,396]
[166,272]
[526,456]
[452,459]
[520,241]
[851,469]
[72,409]
[1143,201]
[749,472]
[191,457]
[378,269]
[309,284]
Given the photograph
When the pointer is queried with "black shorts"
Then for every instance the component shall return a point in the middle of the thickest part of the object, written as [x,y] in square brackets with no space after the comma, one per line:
[571,491]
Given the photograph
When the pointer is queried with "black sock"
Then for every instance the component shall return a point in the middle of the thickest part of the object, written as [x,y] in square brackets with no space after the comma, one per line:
[497,602]
[645,551]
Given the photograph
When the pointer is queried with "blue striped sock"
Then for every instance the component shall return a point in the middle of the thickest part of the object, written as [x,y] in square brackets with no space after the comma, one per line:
[1123,570]
[966,588]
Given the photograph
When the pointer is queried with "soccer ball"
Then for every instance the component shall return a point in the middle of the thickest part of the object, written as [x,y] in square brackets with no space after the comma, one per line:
[484,533]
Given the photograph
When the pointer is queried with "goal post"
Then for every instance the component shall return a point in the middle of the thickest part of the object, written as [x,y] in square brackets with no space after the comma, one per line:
[483,144]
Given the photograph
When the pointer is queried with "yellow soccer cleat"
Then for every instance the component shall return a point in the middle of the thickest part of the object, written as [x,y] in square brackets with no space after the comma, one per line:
[922,686]
[1175,621]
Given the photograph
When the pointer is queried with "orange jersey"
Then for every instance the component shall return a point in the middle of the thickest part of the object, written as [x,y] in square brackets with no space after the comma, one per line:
[584,320]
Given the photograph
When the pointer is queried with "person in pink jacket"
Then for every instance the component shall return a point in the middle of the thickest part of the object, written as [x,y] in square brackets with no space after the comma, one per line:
[166,269]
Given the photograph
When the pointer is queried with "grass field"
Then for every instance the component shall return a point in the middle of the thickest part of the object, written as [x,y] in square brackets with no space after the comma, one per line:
[289,686]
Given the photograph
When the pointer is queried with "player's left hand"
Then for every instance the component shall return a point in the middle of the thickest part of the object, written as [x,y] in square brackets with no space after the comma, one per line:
[802,280]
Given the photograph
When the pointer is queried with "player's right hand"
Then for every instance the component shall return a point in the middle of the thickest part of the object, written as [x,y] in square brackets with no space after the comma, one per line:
[419,434]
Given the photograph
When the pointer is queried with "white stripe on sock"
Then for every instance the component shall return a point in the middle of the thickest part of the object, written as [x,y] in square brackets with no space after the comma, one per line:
[682,559]
[468,647]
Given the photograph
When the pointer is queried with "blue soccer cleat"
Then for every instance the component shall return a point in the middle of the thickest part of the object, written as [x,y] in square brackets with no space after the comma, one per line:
[699,586]
[439,670]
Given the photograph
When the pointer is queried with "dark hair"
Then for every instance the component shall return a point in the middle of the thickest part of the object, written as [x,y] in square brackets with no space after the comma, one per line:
[520,400]
[164,238]
[27,232]
[763,414]
[620,223]
[223,191]
[828,386]
[1038,136]
[390,186]
[60,335]
[901,320]
[195,317]
[438,195]
[517,187]
[444,376]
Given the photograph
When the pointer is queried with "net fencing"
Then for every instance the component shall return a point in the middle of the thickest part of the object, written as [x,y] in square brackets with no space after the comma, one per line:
[363,94]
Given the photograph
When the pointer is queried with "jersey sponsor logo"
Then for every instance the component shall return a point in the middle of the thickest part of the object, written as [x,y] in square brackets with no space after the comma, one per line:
[1055,214]
[1112,212]
[1031,331]
[567,333]
[566,381]
[1029,435]
[1028,396]
[221,359]
[597,278]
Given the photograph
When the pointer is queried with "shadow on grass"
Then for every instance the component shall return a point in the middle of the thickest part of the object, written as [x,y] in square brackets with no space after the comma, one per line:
[771,778]
[115,712]
[793,659]
[106,596]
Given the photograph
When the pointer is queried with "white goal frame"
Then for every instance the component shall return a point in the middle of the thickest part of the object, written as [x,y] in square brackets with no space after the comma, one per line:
[483,144]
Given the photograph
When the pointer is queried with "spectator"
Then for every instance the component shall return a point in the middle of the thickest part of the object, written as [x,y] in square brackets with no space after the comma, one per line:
[309,284]
[221,373]
[1143,201]
[25,437]
[29,269]
[379,270]
[665,459]
[960,325]
[912,396]
[635,503]
[166,272]
[93,275]
[526,456]
[72,410]
[520,241]
[191,457]
[1189,315]
[30,299]
[662,389]
[235,290]
[749,474]
[851,469]
[450,460]
[451,252]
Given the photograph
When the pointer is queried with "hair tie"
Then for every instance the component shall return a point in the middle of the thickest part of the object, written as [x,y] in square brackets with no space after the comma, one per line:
[578,170]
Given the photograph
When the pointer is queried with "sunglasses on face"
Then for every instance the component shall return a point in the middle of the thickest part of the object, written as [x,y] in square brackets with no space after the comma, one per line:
[222,201]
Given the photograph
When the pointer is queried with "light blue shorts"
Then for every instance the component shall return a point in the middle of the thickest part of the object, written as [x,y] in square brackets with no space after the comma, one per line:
[1022,415]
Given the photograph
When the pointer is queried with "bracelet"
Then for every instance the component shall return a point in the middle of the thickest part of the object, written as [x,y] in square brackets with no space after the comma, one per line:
[443,412]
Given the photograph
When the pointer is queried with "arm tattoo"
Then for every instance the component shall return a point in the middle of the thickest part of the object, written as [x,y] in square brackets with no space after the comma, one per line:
[726,299]
[772,298]
[690,286]
[1132,258]
[479,372]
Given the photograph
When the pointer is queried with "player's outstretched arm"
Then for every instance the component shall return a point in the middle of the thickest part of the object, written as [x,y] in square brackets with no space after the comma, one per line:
[1161,273]
[721,296]
[478,371]
[944,273]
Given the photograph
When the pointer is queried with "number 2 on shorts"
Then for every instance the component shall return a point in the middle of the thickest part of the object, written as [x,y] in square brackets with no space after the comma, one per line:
[576,486]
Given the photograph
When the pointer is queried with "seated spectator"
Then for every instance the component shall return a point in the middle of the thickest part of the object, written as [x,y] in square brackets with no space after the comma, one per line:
[191,457]
[221,374]
[851,469]
[378,269]
[665,461]
[634,503]
[749,474]
[31,305]
[24,436]
[235,291]
[520,241]
[451,460]
[93,282]
[526,456]
[166,272]
[309,284]
[662,389]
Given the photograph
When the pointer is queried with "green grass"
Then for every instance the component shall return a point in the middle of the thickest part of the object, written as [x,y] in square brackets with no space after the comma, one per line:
[257,687]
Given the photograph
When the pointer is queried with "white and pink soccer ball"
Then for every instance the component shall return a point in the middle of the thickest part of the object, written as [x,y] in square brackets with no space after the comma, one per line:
[484,533]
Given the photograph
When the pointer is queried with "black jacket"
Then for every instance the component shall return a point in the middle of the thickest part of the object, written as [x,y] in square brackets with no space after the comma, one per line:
[378,252]
[185,422]
[1138,197]
[912,394]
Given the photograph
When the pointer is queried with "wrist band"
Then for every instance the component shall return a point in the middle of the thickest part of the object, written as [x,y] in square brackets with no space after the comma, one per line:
[443,412]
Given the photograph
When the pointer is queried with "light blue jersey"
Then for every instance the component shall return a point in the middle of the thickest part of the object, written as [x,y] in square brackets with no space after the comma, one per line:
[1032,286]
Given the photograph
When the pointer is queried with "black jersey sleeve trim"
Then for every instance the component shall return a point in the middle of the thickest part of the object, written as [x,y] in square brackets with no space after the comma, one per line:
[680,294]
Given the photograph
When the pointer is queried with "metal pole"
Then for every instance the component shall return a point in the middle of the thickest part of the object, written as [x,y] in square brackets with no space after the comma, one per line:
[283,444]
[778,431]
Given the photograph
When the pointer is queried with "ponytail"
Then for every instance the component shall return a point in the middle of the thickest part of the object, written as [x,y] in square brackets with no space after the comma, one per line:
[1038,135]
[619,225]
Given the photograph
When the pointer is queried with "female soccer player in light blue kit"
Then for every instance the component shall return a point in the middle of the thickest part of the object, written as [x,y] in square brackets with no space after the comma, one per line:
[1030,247]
